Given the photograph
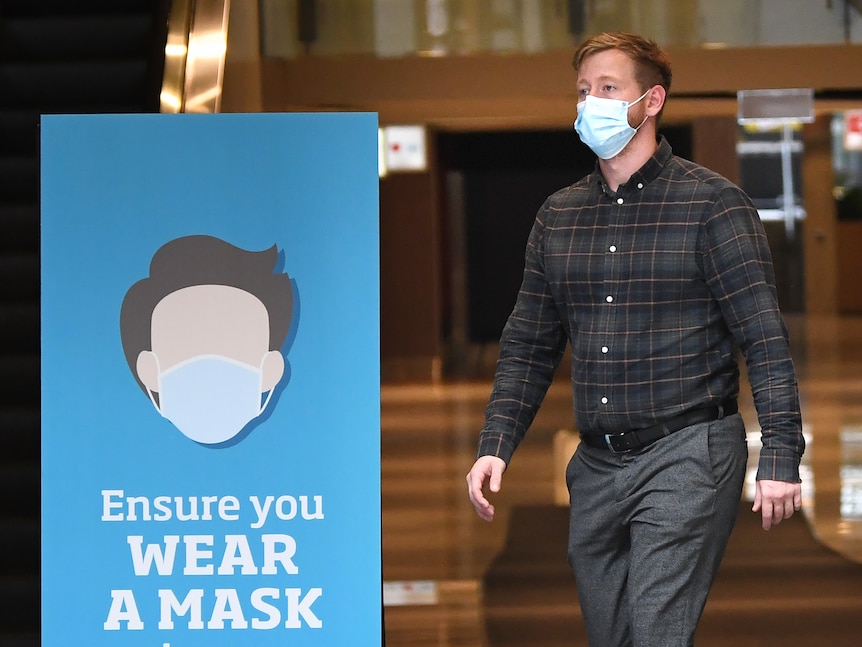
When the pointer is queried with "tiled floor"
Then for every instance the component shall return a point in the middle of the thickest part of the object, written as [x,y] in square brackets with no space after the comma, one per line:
[435,549]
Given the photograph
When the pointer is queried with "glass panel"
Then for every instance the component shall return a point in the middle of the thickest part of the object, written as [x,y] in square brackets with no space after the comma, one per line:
[387,28]
[207,45]
[847,163]
[851,473]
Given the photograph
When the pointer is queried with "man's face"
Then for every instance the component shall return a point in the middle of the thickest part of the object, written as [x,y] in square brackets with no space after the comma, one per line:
[209,320]
[611,75]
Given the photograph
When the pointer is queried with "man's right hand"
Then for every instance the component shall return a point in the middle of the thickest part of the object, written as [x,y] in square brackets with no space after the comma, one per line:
[486,469]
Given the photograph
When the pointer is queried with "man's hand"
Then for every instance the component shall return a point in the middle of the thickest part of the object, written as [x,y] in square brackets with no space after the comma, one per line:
[776,500]
[490,469]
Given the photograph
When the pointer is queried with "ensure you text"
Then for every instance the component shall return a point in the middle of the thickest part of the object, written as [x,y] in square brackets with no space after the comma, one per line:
[200,555]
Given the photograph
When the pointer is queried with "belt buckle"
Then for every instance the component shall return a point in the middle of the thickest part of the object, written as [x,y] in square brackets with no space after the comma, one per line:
[622,443]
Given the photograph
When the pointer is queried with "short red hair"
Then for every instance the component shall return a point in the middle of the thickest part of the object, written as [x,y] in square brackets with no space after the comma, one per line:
[652,64]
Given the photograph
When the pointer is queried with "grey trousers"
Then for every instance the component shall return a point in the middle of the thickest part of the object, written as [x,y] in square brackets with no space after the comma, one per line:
[648,530]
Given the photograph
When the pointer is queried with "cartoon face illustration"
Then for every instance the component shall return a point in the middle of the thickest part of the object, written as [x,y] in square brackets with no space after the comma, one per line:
[202,335]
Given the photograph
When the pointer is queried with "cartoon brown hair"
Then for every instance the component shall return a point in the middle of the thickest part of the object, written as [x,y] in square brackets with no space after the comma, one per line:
[204,260]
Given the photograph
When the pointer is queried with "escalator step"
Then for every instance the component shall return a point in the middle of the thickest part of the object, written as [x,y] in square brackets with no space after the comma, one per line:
[20,639]
[17,8]
[20,325]
[19,180]
[20,384]
[19,133]
[20,603]
[22,430]
[19,546]
[20,489]
[43,85]
[75,38]
[19,228]
[19,278]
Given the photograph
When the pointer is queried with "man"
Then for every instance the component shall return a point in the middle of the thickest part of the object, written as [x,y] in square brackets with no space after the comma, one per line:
[655,270]
[203,335]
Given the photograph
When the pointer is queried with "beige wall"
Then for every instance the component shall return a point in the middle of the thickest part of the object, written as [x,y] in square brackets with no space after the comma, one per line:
[821,229]
[529,91]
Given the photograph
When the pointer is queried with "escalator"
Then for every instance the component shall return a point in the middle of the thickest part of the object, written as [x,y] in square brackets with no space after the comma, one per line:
[56,56]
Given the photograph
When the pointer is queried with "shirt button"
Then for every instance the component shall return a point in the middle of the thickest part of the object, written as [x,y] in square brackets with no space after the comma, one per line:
[605,349]
[609,299]
[604,400]
[640,185]
[620,200]
[612,248]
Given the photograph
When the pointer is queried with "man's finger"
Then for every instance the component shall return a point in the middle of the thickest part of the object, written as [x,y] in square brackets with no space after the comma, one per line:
[496,479]
[474,491]
[766,514]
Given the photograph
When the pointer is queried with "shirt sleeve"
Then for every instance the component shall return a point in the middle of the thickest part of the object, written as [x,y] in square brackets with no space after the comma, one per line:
[531,347]
[739,272]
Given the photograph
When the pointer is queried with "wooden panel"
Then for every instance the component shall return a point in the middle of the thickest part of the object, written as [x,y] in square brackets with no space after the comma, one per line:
[409,275]
[850,267]
[820,235]
[538,90]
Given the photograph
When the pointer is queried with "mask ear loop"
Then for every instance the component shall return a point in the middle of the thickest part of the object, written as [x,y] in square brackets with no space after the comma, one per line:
[150,393]
[269,393]
[266,402]
[639,99]
[636,101]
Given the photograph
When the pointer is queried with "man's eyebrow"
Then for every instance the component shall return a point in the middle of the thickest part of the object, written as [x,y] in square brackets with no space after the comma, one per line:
[601,79]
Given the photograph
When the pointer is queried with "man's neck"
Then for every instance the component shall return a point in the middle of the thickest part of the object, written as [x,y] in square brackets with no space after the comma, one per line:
[619,169]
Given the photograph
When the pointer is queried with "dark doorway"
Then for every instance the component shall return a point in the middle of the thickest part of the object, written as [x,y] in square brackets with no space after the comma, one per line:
[503,179]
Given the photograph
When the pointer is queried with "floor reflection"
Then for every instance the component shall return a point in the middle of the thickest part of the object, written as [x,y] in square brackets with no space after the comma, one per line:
[429,432]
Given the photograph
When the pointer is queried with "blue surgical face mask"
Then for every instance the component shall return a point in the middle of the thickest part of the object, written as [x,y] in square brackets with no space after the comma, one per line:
[210,398]
[603,124]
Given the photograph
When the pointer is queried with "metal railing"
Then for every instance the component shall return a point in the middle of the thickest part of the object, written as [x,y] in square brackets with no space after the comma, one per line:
[195,56]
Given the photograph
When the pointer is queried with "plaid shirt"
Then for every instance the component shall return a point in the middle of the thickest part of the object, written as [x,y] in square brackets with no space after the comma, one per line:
[654,287]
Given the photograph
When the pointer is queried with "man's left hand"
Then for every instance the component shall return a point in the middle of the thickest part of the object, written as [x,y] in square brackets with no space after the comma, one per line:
[776,501]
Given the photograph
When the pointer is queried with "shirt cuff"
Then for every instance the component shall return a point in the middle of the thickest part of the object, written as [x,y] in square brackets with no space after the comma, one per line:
[495,445]
[778,465]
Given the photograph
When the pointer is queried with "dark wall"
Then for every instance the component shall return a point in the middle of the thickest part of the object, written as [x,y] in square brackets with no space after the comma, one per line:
[409,320]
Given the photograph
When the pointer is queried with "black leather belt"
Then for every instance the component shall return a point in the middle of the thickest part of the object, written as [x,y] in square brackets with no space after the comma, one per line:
[632,441]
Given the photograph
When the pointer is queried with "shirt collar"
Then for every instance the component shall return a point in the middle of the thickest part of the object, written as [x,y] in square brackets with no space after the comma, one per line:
[643,176]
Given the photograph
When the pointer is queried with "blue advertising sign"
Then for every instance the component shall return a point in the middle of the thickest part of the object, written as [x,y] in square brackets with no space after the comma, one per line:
[210,380]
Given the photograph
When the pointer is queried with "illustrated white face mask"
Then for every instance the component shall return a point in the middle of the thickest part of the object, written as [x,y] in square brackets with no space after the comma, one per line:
[210,398]
[603,124]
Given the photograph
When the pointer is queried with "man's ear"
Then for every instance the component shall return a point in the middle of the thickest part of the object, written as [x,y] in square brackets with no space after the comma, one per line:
[147,368]
[271,370]
[655,100]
